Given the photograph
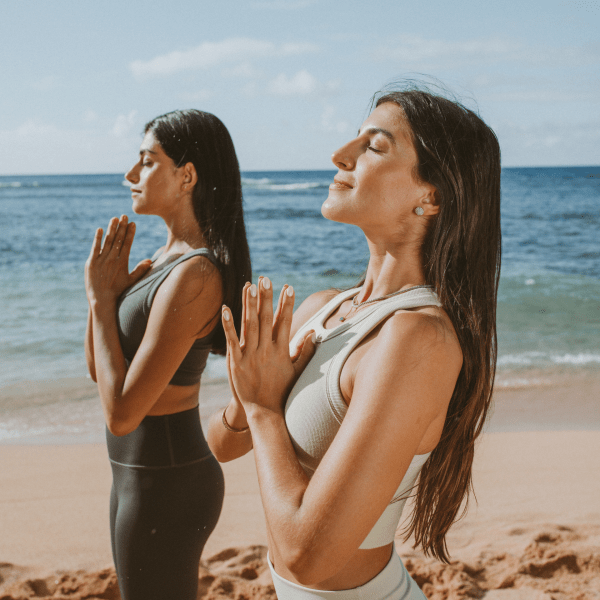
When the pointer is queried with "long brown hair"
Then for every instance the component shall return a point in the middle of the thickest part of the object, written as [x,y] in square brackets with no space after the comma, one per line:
[202,139]
[459,155]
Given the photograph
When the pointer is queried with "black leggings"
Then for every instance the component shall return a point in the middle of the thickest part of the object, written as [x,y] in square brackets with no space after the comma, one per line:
[165,501]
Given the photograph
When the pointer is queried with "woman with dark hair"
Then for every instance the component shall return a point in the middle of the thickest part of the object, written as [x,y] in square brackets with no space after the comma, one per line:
[148,338]
[398,388]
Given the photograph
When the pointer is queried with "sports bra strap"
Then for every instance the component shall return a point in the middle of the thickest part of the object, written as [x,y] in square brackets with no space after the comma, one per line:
[165,272]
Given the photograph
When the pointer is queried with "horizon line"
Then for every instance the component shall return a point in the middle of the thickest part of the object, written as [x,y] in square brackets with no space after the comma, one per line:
[291,170]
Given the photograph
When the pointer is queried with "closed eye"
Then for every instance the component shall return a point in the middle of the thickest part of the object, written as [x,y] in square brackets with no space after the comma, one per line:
[374,149]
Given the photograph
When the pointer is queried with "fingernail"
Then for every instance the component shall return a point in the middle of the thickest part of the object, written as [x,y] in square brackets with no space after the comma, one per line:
[226,315]
[266,283]
[253,291]
[290,291]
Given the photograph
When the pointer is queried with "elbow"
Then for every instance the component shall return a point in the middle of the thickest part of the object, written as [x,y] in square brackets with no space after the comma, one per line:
[120,427]
[306,566]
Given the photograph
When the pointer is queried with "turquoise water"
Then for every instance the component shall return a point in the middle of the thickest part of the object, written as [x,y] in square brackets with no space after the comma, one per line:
[549,302]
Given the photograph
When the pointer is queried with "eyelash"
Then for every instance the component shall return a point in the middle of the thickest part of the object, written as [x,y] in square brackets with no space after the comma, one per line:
[373,149]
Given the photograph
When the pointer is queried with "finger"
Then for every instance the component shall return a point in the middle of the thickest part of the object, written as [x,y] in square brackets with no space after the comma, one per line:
[97,243]
[120,235]
[127,242]
[229,377]
[278,311]
[285,318]
[233,344]
[265,311]
[308,351]
[243,323]
[141,268]
[111,230]
[251,320]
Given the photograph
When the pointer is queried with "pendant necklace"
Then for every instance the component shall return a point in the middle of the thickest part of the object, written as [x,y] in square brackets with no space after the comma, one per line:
[357,305]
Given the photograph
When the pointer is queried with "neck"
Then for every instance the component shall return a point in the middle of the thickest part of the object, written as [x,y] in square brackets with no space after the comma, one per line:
[183,232]
[392,267]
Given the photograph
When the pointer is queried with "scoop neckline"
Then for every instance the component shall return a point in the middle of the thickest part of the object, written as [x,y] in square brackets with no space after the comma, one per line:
[356,318]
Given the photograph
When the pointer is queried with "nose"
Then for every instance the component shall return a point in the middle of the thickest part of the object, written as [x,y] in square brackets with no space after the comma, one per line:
[343,158]
[132,175]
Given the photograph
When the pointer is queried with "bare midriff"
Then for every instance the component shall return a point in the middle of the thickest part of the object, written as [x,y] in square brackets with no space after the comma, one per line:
[176,398]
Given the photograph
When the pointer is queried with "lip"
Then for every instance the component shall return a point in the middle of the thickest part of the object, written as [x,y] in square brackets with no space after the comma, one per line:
[135,191]
[339,185]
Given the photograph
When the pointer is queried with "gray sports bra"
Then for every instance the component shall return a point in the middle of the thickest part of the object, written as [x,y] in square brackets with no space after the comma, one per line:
[133,311]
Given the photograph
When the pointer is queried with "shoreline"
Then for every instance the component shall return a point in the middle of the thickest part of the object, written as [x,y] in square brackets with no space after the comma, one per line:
[67,411]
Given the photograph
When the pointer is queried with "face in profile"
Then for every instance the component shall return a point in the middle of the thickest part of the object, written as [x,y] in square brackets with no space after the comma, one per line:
[154,179]
[376,184]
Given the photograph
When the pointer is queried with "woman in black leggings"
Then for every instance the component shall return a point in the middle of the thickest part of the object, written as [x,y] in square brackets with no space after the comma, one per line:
[148,338]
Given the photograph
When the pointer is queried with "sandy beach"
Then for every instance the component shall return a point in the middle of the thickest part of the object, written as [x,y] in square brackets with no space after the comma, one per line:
[533,533]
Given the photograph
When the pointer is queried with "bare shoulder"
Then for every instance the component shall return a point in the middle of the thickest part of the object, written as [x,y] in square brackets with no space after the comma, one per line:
[192,277]
[422,335]
[313,304]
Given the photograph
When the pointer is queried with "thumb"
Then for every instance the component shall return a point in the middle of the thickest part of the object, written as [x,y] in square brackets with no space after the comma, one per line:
[141,268]
[307,352]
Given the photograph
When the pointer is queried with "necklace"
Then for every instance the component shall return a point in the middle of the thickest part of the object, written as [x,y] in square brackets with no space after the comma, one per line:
[356,305]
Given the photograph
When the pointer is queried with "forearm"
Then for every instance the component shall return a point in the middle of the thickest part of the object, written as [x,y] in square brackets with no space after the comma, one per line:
[227,445]
[283,484]
[110,364]
[89,346]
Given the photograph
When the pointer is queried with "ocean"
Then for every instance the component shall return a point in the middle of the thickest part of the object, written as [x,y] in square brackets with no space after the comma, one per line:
[549,299]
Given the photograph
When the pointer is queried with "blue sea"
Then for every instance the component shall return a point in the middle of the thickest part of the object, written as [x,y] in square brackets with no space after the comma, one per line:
[549,300]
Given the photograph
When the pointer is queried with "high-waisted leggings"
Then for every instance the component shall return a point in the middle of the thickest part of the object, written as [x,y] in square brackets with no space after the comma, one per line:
[165,501]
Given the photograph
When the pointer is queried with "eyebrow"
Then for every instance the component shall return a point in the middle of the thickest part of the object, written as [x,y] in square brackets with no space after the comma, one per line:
[385,132]
[143,150]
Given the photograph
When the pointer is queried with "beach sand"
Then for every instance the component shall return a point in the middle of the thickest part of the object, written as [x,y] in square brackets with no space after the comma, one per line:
[533,533]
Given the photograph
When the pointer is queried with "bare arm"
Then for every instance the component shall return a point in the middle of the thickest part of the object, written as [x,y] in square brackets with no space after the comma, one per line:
[183,309]
[89,346]
[227,445]
[403,384]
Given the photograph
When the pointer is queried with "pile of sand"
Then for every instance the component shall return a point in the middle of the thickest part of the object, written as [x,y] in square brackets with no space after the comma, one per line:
[541,563]
[235,573]
[538,563]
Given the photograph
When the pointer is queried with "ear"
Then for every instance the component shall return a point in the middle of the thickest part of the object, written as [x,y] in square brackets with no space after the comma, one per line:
[190,177]
[430,202]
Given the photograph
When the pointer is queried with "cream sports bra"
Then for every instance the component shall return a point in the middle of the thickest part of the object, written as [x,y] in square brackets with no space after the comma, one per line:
[315,407]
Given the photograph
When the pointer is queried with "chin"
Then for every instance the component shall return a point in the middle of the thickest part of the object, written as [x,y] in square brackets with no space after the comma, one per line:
[137,208]
[332,211]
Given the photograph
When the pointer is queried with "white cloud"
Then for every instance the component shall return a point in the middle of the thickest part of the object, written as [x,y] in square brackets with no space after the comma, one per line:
[413,49]
[301,84]
[124,124]
[331,122]
[33,129]
[549,143]
[35,147]
[211,54]
[245,70]
[89,116]
[416,52]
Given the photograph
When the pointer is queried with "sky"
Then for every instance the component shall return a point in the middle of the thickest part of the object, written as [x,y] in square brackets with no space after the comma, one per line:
[291,79]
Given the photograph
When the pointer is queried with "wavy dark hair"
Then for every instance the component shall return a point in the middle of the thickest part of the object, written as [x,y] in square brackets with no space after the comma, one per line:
[202,139]
[459,155]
